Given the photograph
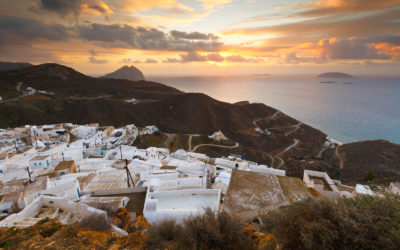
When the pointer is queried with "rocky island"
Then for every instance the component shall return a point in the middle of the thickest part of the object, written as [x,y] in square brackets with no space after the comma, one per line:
[127,72]
[334,75]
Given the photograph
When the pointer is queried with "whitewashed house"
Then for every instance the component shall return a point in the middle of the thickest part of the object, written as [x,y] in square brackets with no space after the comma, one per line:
[40,161]
[179,204]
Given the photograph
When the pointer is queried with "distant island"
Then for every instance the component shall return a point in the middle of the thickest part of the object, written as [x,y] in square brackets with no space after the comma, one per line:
[129,73]
[335,75]
[261,74]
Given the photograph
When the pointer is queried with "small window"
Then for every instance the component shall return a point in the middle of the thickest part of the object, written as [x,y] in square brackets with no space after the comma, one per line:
[40,164]
[35,164]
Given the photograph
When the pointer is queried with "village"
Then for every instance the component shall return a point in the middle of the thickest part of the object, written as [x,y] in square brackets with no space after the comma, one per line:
[70,172]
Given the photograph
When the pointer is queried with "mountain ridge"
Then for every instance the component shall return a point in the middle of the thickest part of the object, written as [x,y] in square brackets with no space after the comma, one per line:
[126,72]
[6,66]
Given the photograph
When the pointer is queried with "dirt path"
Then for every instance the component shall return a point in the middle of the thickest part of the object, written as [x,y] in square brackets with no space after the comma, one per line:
[319,155]
[214,145]
[90,98]
[272,160]
[268,118]
[19,87]
[170,138]
[341,163]
[294,144]
[280,164]
[190,142]
[296,127]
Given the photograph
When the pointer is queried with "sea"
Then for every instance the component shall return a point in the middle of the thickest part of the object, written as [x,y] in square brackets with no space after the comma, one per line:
[347,110]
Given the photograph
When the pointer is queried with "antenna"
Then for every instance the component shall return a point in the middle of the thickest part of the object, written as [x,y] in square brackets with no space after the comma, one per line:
[29,174]
[128,175]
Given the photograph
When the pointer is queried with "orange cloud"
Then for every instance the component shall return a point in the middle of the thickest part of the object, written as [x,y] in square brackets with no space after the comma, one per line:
[328,7]
[144,5]
[212,4]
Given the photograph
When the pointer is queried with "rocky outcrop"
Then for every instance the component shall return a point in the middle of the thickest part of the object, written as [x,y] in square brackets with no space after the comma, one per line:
[128,73]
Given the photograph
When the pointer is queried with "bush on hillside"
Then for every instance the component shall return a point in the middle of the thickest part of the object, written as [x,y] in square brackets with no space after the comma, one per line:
[206,231]
[96,222]
[364,222]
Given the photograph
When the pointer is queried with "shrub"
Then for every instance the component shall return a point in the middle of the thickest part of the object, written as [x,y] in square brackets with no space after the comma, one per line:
[95,222]
[221,231]
[161,234]
[369,176]
[206,231]
[47,227]
[364,222]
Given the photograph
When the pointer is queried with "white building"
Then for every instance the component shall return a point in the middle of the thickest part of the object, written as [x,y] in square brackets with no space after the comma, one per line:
[40,161]
[331,189]
[148,130]
[179,204]
[394,188]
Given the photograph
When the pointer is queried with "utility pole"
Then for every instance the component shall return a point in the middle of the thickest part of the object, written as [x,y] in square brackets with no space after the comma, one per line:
[128,175]
[16,148]
[29,174]
[62,153]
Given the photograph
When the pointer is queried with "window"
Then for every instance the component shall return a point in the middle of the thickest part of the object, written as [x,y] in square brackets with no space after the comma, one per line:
[40,164]
[35,164]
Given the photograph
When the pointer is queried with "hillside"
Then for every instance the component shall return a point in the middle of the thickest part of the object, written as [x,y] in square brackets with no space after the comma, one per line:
[263,134]
[5,66]
[66,82]
[128,73]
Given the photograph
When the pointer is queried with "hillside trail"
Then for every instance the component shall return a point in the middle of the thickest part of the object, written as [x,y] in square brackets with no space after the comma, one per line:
[214,145]
[296,127]
[190,142]
[341,162]
[294,144]
[319,155]
[268,118]
[282,162]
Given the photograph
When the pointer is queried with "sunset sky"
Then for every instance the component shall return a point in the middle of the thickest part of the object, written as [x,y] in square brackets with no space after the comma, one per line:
[205,37]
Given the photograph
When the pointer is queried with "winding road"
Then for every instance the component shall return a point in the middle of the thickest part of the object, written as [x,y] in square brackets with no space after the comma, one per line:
[319,155]
[295,142]
[269,118]
[214,145]
[341,162]
[297,126]
[19,87]
[206,145]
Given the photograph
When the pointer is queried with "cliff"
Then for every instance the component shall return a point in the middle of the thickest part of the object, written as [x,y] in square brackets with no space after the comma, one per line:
[127,73]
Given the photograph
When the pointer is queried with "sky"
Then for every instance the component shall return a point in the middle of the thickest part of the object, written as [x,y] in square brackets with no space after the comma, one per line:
[205,37]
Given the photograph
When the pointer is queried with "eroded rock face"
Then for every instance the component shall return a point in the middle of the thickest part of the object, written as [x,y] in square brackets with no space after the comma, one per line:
[128,73]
